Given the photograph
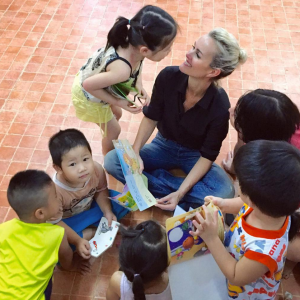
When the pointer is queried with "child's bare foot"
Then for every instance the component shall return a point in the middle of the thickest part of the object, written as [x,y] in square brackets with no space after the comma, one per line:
[85,265]
[288,268]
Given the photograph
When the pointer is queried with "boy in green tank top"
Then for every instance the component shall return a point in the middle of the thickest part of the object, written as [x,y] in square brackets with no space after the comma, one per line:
[29,247]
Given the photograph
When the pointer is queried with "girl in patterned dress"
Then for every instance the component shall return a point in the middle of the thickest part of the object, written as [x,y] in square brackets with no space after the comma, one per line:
[101,87]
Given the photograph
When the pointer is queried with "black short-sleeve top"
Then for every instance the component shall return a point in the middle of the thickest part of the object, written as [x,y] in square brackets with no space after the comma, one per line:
[203,127]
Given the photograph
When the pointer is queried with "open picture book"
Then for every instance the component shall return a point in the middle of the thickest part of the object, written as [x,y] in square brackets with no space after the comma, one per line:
[135,194]
[104,237]
[181,245]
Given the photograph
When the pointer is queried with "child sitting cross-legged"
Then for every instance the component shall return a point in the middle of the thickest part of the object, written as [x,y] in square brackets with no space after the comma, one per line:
[143,260]
[255,247]
[29,247]
[82,189]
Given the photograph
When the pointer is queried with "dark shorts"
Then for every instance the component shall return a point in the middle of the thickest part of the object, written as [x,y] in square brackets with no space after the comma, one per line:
[48,289]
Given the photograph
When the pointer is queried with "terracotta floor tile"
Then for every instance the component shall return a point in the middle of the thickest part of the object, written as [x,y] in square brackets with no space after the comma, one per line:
[292,285]
[23,154]
[110,264]
[84,285]
[16,167]
[102,285]
[63,282]
[4,165]
[60,297]
[6,153]
[3,199]
[3,213]
[11,215]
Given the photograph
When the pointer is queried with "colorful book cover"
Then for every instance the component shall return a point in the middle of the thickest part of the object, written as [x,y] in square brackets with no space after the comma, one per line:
[183,246]
[125,199]
[134,180]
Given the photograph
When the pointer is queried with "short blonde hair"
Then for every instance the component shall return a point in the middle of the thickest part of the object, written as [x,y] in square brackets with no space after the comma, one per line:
[229,56]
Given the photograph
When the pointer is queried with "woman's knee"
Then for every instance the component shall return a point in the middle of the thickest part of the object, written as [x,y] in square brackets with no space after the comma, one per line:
[110,161]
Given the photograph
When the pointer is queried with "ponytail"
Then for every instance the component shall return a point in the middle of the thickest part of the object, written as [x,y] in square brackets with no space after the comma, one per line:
[118,35]
[295,225]
[138,287]
[143,255]
[151,27]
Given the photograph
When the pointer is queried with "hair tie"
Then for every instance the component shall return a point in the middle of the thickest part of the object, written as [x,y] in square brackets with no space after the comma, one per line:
[135,275]
[128,21]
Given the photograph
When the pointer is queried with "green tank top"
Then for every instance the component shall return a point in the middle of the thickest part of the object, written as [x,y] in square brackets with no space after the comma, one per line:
[28,255]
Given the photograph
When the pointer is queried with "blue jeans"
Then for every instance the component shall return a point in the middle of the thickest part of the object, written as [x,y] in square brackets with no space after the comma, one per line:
[162,155]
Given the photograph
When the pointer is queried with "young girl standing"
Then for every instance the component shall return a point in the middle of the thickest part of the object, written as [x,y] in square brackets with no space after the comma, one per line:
[101,86]
[143,259]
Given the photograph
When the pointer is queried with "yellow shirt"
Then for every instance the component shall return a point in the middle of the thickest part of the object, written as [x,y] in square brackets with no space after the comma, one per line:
[28,255]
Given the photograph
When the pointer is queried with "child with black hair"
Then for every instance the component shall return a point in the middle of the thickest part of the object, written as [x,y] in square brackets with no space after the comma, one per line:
[276,117]
[255,247]
[29,247]
[101,86]
[79,180]
[143,260]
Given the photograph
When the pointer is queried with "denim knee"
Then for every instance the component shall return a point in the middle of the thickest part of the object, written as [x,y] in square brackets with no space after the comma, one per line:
[112,166]
[110,160]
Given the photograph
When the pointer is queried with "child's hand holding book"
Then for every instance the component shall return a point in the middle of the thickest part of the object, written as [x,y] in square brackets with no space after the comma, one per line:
[206,227]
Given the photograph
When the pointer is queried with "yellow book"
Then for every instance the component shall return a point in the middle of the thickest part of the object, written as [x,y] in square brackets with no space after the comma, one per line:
[183,246]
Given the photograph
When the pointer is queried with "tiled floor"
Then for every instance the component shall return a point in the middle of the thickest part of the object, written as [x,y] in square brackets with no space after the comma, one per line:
[43,44]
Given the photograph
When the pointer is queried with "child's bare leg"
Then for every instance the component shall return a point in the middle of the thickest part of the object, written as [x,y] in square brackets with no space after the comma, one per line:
[85,265]
[117,111]
[89,233]
[113,130]
[293,256]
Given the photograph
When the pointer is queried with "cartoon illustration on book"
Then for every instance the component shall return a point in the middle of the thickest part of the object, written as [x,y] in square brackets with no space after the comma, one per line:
[125,199]
[104,237]
[183,246]
[137,184]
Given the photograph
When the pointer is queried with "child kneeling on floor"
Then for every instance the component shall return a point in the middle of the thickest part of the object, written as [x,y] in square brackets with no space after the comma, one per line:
[143,260]
[79,180]
[255,247]
[29,247]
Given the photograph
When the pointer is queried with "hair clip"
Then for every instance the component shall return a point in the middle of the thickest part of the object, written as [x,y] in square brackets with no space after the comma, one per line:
[135,275]
[143,27]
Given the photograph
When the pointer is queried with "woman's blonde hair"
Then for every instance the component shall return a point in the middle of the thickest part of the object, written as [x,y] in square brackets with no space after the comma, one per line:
[229,56]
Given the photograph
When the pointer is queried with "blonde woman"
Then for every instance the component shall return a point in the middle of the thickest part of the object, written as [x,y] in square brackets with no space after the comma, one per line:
[191,113]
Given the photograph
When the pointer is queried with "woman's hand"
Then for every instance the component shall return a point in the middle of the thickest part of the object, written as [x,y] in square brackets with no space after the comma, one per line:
[168,202]
[126,105]
[140,161]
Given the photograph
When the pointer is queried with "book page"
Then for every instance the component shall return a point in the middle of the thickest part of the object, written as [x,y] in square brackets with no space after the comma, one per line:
[134,180]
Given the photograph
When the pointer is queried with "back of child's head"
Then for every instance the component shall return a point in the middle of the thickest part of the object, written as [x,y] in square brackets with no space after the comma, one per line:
[143,255]
[269,174]
[266,115]
[26,192]
[64,141]
[151,27]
